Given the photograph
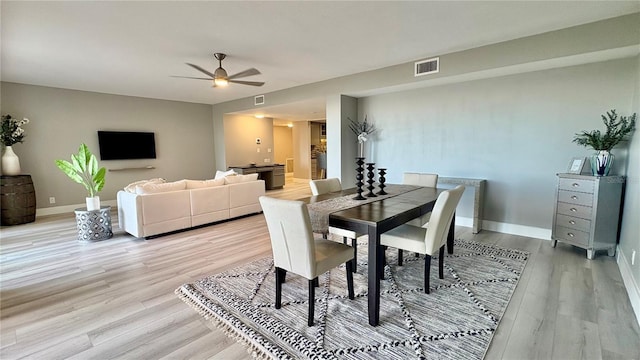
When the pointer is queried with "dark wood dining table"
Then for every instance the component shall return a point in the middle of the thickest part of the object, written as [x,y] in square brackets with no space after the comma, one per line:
[377,217]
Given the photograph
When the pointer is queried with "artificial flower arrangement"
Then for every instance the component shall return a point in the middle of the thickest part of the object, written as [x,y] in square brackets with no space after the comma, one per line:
[11,130]
[362,129]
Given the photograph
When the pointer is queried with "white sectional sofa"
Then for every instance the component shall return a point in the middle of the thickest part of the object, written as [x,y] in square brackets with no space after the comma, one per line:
[149,209]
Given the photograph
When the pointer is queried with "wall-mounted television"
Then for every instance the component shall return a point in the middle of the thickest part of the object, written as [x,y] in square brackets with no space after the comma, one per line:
[126,145]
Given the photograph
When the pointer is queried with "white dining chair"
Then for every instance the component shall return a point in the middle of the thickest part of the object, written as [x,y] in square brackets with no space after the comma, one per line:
[295,249]
[323,186]
[429,239]
[420,179]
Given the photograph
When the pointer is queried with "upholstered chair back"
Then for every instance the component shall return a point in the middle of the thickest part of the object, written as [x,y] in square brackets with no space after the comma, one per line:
[441,216]
[323,186]
[292,240]
[420,179]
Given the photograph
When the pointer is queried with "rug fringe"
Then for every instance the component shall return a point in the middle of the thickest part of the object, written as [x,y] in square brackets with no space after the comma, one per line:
[256,350]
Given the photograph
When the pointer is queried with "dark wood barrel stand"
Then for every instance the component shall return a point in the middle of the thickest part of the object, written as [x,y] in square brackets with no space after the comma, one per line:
[17,200]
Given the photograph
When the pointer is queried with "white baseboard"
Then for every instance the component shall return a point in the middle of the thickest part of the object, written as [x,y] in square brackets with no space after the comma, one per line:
[633,290]
[505,228]
[70,208]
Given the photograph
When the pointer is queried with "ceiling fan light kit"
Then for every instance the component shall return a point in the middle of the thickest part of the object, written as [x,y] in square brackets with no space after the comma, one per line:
[220,78]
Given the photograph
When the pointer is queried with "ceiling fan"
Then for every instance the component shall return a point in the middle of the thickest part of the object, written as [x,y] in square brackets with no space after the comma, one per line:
[220,78]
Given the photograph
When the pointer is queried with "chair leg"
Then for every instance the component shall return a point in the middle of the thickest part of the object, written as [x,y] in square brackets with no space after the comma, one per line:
[280,274]
[350,279]
[354,245]
[417,255]
[399,257]
[312,300]
[427,272]
[441,263]
[316,283]
[325,235]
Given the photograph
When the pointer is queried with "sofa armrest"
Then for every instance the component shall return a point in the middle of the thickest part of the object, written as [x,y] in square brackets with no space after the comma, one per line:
[130,213]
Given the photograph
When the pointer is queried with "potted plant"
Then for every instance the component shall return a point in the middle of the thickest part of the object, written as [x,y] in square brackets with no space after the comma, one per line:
[602,143]
[11,133]
[84,170]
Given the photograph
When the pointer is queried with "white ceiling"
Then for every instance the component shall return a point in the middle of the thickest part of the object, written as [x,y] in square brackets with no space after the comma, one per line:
[132,48]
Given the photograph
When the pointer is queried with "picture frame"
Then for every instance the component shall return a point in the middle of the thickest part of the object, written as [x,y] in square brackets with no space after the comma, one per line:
[579,165]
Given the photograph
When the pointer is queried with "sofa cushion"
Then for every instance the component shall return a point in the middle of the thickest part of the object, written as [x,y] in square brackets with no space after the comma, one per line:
[199,184]
[223,174]
[240,178]
[131,188]
[160,188]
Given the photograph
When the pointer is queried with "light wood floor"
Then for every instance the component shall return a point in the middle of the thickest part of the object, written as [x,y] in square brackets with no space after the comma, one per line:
[115,299]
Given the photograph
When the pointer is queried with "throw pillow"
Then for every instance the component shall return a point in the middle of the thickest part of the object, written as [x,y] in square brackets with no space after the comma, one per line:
[131,188]
[198,184]
[223,174]
[240,178]
[159,188]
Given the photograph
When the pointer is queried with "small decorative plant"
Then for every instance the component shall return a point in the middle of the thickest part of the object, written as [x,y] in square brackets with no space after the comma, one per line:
[362,131]
[616,131]
[11,131]
[84,170]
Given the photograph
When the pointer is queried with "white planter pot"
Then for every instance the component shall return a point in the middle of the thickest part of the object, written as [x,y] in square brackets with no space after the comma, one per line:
[93,203]
[10,162]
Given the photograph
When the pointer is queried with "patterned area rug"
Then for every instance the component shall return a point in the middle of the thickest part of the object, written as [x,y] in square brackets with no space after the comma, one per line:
[456,321]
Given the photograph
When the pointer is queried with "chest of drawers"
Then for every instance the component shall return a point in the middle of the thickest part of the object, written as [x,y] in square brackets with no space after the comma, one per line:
[587,212]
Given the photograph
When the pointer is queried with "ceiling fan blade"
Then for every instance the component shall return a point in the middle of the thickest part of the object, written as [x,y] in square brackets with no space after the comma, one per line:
[248,72]
[201,69]
[252,83]
[191,77]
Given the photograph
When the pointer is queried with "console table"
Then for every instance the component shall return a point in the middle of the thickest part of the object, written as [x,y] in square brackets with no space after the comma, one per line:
[94,225]
[478,200]
[273,175]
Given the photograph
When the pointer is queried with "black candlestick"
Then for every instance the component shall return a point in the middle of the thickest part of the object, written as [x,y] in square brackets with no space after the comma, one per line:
[359,177]
[370,175]
[381,180]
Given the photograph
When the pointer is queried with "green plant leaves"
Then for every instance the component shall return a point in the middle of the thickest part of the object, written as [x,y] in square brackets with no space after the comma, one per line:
[616,130]
[84,170]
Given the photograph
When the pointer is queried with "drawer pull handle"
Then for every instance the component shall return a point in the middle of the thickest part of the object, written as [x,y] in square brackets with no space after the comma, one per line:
[573,209]
[574,197]
[575,185]
[572,222]
[570,234]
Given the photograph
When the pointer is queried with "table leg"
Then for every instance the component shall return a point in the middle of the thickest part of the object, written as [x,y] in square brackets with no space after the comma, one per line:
[451,234]
[375,265]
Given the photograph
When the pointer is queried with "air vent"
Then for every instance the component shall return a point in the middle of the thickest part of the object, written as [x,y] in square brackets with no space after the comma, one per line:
[259,100]
[426,67]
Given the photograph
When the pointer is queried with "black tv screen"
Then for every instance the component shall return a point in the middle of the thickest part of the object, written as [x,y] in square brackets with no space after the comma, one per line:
[126,145]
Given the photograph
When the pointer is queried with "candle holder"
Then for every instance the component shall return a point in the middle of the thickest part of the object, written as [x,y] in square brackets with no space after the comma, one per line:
[359,177]
[381,180]
[370,181]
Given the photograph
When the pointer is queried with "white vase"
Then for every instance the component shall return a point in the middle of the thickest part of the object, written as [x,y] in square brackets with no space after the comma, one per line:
[93,203]
[10,162]
[601,162]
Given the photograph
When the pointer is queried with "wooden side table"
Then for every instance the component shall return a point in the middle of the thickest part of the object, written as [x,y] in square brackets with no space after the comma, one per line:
[94,225]
[17,200]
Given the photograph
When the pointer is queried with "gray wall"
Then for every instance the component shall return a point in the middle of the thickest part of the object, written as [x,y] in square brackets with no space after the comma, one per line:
[62,119]
[630,231]
[515,131]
